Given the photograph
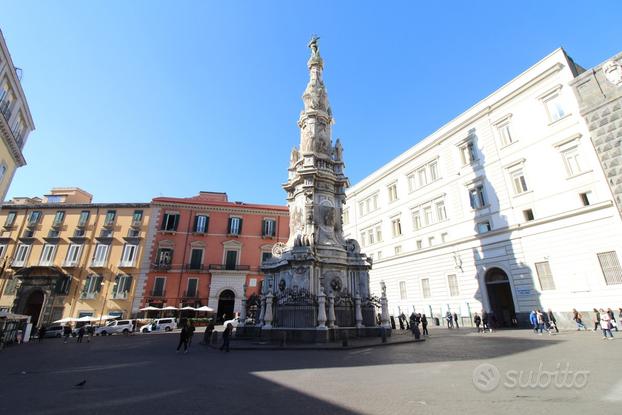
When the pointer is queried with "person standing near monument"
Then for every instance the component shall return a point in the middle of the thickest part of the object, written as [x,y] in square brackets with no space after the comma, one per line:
[478,321]
[455,316]
[226,335]
[424,325]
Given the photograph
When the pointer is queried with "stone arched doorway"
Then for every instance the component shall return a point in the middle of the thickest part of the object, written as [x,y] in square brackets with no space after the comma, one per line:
[226,303]
[500,297]
[33,306]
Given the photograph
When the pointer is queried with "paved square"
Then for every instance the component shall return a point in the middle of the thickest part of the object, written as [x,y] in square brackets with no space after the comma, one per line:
[142,374]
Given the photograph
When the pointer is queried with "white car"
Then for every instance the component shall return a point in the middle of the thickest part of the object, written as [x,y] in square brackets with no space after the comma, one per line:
[117,326]
[165,324]
[235,322]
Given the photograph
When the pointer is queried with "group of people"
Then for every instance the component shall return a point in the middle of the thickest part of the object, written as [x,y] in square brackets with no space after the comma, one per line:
[412,323]
[603,319]
[541,321]
[187,331]
[452,319]
[483,322]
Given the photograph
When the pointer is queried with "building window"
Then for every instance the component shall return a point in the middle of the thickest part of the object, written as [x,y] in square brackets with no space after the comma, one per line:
[425,287]
[231,259]
[444,237]
[477,197]
[441,213]
[545,276]
[424,175]
[133,233]
[397,250]
[431,240]
[370,237]
[586,198]
[92,286]
[452,282]
[10,219]
[252,282]
[433,168]
[2,253]
[196,258]
[191,290]
[34,217]
[129,255]
[483,227]
[397,227]
[137,217]
[73,255]
[201,223]
[379,254]
[21,255]
[403,293]
[269,227]
[47,255]
[170,222]
[164,257]
[427,215]
[368,204]
[101,253]
[572,161]
[519,183]
[505,134]
[468,153]
[392,189]
[235,226]
[528,214]
[417,219]
[159,285]
[122,286]
[346,216]
[59,218]
[11,287]
[265,256]
[419,244]
[363,238]
[110,217]
[610,266]
[84,218]
[554,106]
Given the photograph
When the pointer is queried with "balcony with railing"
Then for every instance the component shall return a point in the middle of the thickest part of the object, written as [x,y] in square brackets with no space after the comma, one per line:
[196,268]
[121,295]
[229,267]
[98,263]
[70,263]
[127,264]
[161,266]
[85,295]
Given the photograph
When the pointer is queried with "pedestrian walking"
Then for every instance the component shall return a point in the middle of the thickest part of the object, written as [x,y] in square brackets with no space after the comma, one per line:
[552,320]
[66,333]
[478,321]
[209,329]
[41,334]
[455,316]
[81,331]
[540,320]
[533,319]
[578,318]
[90,332]
[225,337]
[401,318]
[183,339]
[605,324]
[485,322]
[449,318]
[189,332]
[424,325]
[612,317]
[596,319]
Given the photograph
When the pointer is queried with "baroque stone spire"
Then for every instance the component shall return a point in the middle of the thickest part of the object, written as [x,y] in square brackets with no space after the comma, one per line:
[316,184]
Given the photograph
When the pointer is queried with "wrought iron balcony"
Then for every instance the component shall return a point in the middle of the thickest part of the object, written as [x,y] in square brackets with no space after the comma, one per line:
[70,264]
[161,266]
[123,295]
[88,295]
[158,293]
[98,264]
[228,267]
[127,264]
[195,268]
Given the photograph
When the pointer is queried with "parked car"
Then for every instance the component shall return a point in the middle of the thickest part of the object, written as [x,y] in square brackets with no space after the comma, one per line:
[236,321]
[166,324]
[53,331]
[117,326]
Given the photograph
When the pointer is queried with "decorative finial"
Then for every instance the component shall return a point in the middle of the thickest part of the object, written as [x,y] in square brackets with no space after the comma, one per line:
[315,50]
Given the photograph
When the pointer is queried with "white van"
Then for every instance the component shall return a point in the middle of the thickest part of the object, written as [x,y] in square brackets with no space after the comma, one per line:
[117,326]
[160,324]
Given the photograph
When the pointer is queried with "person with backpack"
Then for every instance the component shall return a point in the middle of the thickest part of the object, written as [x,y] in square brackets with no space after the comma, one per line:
[578,318]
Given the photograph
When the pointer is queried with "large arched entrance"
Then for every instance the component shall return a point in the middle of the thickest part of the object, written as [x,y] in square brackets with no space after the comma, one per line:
[500,297]
[226,303]
[33,306]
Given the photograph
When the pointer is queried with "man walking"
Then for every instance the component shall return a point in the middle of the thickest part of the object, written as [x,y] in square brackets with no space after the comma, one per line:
[189,332]
[596,319]
[183,340]
[80,334]
[225,338]
[66,332]
[612,319]
[533,319]
[41,333]
[477,320]
[578,318]
[449,318]
[424,325]
[551,318]
[455,316]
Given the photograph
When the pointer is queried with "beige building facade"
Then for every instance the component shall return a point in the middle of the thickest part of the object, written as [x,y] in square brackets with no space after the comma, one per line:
[15,119]
[64,256]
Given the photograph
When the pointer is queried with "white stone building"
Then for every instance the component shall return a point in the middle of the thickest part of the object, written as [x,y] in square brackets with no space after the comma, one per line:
[15,119]
[504,208]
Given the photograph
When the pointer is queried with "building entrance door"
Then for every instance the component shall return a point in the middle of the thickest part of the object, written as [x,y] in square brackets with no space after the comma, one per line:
[226,303]
[33,306]
[500,297]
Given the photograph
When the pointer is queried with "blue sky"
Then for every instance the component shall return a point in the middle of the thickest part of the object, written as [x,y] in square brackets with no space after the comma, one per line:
[134,100]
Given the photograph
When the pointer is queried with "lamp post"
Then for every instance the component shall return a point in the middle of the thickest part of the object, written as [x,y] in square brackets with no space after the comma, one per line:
[105,298]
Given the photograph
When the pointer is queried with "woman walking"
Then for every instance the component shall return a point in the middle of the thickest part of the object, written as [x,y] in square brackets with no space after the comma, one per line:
[605,324]
[596,319]
[577,317]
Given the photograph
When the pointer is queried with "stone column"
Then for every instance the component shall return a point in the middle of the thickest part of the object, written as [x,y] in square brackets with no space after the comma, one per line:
[268,314]
[321,310]
[384,315]
[331,310]
[358,315]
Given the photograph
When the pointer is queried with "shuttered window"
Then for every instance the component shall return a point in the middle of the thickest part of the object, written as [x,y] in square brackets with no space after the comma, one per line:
[545,276]
[452,281]
[425,287]
[610,265]
[403,293]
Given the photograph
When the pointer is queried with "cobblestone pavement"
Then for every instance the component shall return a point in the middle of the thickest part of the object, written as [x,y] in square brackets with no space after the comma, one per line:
[511,372]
